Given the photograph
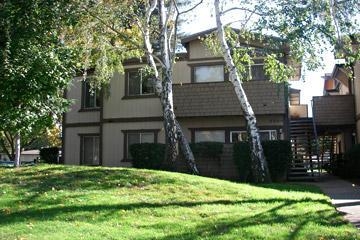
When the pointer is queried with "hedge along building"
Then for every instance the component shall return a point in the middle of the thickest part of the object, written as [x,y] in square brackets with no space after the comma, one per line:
[99,130]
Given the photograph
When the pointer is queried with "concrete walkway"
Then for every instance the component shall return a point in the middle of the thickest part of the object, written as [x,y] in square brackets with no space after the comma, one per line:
[345,196]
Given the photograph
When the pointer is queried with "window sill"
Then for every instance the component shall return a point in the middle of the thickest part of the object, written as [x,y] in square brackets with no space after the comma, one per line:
[90,109]
[139,96]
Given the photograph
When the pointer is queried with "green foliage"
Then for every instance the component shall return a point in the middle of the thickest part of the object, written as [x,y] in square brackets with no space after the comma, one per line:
[148,155]
[242,159]
[35,67]
[105,34]
[207,149]
[78,202]
[49,155]
[350,167]
[278,155]
[276,70]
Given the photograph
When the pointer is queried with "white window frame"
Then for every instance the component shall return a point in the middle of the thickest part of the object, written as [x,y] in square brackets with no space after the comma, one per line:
[271,132]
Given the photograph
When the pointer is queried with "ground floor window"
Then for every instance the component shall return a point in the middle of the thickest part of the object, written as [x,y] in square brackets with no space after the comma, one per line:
[90,154]
[210,136]
[132,137]
[265,135]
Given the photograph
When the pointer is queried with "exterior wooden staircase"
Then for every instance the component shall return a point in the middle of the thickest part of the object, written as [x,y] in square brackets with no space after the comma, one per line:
[305,165]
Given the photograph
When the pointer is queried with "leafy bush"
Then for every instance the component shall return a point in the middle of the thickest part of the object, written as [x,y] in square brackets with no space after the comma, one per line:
[49,155]
[351,165]
[148,155]
[278,155]
[207,149]
[242,159]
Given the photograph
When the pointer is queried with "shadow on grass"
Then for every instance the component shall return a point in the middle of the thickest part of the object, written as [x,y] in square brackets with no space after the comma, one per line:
[77,178]
[221,226]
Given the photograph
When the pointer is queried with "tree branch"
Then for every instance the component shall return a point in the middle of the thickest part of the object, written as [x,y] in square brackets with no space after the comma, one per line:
[192,8]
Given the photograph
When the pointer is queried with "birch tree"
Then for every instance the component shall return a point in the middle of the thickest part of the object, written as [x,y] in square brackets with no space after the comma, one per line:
[259,165]
[303,28]
[168,15]
[108,40]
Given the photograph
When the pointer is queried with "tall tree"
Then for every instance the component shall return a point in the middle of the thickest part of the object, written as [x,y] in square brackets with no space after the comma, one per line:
[112,32]
[302,27]
[35,67]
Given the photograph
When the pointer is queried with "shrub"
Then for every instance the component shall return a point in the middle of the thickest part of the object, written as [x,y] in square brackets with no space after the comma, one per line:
[207,149]
[351,165]
[278,155]
[242,159]
[49,155]
[148,155]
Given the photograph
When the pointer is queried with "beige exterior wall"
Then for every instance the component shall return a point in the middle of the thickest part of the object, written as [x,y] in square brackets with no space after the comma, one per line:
[198,50]
[72,143]
[182,72]
[113,140]
[73,115]
[116,107]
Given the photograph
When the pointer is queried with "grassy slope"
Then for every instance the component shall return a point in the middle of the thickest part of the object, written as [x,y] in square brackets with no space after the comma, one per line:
[58,202]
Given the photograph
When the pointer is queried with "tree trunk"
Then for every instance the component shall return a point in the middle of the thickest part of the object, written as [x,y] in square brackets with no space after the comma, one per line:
[17,150]
[186,150]
[163,88]
[259,166]
[169,117]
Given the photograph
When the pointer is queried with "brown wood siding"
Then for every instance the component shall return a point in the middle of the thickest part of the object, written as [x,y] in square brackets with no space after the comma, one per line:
[334,110]
[219,99]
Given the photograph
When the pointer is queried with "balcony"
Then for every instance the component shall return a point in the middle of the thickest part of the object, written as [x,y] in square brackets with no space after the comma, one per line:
[219,99]
[334,110]
[298,111]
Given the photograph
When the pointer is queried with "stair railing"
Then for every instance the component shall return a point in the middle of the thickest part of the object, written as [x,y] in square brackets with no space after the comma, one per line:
[316,138]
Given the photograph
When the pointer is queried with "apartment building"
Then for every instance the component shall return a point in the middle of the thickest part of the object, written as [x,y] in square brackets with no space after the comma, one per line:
[99,129]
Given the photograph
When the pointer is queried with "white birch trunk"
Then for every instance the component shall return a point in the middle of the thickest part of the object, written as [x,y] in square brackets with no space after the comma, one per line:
[17,150]
[173,131]
[259,164]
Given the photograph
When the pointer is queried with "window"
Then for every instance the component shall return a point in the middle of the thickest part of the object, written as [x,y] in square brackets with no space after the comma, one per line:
[90,154]
[238,136]
[132,137]
[258,72]
[91,98]
[209,73]
[210,136]
[138,83]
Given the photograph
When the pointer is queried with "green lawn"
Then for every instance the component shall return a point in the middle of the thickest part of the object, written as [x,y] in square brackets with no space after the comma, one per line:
[61,202]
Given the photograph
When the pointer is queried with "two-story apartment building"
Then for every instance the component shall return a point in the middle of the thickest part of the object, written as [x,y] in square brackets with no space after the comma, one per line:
[337,113]
[98,130]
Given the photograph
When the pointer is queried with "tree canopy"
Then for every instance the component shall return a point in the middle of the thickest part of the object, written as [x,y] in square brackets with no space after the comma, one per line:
[35,66]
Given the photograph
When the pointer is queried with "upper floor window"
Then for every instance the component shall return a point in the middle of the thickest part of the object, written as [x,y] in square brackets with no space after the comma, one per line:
[90,97]
[208,73]
[258,72]
[138,83]
[265,135]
